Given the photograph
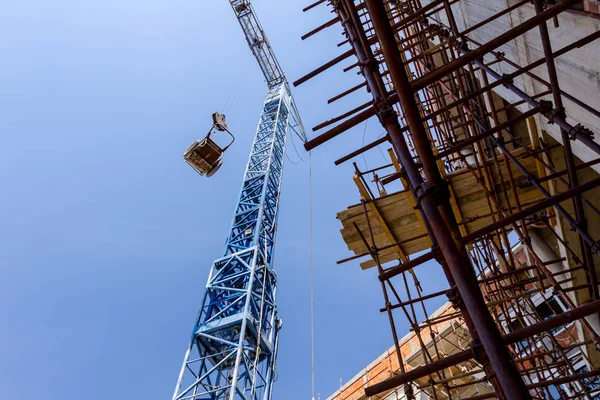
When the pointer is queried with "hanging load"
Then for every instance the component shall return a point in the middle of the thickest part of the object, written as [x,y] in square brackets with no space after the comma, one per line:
[205,155]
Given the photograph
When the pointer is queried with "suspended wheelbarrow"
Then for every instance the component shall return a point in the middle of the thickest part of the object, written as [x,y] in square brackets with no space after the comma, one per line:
[205,155]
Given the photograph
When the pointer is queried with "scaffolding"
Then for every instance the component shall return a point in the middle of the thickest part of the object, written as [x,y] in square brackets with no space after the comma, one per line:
[489,182]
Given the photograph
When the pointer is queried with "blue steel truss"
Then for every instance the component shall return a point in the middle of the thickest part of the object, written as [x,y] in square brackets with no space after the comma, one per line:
[234,342]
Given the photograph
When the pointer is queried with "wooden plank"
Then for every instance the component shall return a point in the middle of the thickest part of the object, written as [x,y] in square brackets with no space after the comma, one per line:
[453,202]
[393,217]
[413,202]
[373,208]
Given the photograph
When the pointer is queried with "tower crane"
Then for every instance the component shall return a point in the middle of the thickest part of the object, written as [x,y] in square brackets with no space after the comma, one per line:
[233,347]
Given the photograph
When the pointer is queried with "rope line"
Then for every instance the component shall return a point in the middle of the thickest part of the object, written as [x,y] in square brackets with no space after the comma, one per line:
[363,143]
[312,288]
[296,149]
[225,106]
[236,91]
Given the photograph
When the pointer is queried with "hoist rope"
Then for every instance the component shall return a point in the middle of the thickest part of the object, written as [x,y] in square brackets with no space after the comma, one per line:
[225,106]
[296,149]
[291,161]
[379,147]
[311,278]
[236,91]
[240,91]
[363,144]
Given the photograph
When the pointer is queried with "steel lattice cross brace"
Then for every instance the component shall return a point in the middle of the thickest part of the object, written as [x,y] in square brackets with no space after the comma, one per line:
[234,342]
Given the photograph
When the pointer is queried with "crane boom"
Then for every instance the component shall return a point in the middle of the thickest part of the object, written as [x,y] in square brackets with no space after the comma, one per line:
[258,42]
[233,347]
[265,56]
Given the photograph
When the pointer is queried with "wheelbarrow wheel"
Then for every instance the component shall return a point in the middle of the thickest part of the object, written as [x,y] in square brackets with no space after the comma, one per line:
[214,168]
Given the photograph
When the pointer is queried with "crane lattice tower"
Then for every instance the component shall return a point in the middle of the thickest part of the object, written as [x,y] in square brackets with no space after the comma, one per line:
[234,342]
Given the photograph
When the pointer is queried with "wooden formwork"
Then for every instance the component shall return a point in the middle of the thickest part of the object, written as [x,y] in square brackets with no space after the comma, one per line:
[397,213]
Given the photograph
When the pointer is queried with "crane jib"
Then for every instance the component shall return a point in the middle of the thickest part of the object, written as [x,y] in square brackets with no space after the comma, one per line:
[258,42]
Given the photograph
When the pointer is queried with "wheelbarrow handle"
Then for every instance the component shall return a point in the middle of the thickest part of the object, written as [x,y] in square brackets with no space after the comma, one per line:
[226,130]
[232,140]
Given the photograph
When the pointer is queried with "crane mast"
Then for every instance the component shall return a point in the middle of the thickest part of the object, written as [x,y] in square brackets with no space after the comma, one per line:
[233,347]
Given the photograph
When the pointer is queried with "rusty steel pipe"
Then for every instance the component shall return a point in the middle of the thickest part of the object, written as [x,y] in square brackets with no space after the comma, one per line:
[341,117]
[313,5]
[318,29]
[367,147]
[419,372]
[549,202]
[498,128]
[492,44]
[465,355]
[416,300]
[347,92]
[324,67]
[394,271]
[569,157]
[509,382]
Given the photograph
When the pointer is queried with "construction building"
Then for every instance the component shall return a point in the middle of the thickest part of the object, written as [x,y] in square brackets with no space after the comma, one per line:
[491,116]
[449,335]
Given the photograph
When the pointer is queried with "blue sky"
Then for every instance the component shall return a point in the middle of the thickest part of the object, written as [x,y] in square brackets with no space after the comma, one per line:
[107,236]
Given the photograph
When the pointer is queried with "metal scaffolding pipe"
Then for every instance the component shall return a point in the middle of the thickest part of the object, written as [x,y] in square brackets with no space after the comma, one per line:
[510,383]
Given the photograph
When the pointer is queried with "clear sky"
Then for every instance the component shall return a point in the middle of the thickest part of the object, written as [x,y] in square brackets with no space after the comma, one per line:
[107,236]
